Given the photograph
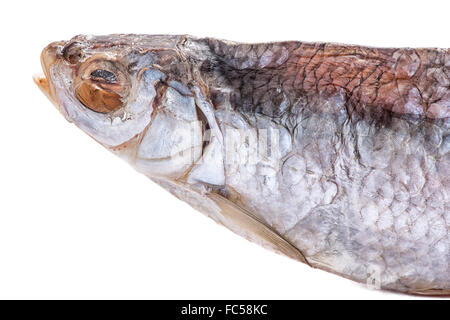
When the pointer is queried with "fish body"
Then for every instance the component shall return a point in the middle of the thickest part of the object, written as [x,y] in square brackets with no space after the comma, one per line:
[334,155]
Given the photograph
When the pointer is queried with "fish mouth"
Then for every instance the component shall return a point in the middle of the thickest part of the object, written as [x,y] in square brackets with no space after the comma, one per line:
[42,82]
[49,56]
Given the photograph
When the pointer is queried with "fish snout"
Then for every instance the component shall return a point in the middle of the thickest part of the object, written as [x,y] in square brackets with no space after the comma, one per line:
[49,55]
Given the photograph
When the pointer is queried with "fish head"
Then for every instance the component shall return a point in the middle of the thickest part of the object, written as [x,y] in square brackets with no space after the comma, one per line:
[131,94]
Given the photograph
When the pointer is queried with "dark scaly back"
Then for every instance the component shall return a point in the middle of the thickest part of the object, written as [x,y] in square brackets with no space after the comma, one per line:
[270,78]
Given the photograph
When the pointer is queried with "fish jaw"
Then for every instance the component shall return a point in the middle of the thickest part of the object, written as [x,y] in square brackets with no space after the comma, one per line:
[42,82]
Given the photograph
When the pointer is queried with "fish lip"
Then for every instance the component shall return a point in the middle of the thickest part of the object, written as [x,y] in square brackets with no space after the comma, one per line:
[43,84]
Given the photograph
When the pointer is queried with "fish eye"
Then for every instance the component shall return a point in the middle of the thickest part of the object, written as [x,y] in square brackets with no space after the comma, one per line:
[101,86]
[103,75]
[98,99]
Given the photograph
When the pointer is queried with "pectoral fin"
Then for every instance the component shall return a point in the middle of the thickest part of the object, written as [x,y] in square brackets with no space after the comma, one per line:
[247,221]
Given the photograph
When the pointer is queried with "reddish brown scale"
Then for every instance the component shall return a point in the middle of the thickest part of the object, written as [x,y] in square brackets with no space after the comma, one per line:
[405,81]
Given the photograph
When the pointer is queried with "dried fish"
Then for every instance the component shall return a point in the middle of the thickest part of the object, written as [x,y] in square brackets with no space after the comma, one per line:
[334,155]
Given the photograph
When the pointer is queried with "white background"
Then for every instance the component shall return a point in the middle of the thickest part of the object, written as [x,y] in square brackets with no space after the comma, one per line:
[76,222]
